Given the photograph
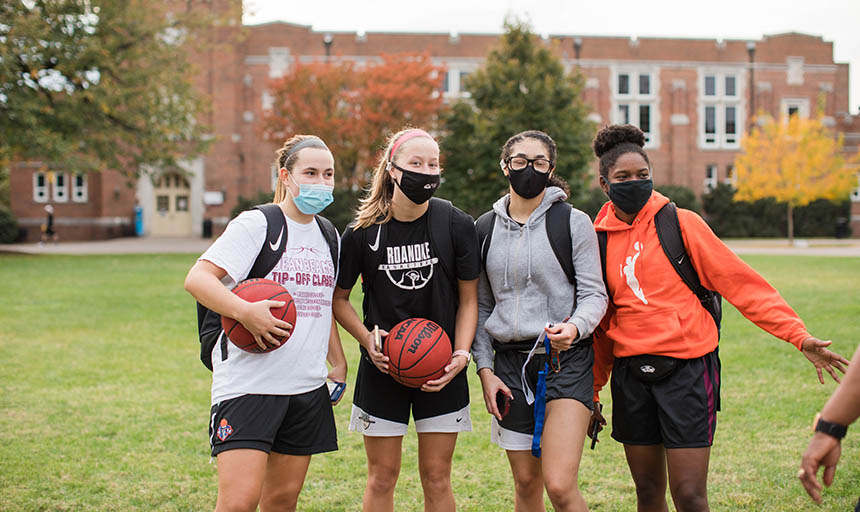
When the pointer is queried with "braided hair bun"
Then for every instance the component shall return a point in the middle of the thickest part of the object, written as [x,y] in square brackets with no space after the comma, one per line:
[613,135]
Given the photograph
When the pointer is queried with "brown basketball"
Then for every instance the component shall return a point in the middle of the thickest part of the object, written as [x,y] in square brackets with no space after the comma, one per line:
[418,350]
[255,290]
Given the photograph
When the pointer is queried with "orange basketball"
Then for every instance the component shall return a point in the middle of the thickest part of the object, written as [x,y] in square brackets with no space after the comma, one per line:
[418,350]
[255,290]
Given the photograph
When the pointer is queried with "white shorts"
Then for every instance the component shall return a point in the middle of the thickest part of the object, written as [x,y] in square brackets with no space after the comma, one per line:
[509,439]
[458,421]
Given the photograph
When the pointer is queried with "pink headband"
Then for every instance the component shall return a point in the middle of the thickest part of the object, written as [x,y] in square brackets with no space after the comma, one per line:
[409,134]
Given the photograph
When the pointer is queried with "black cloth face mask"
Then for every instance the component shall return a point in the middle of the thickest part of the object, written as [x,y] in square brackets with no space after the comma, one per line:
[630,196]
[527,182]
[416,186]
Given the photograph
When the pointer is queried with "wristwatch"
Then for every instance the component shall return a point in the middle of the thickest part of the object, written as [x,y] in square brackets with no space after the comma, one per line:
[834,430]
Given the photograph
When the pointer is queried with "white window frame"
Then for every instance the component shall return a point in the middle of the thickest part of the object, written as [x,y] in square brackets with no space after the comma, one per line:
[711,181]
[60,194]
[40,193]
[83,189]
[721,101]
[635,99]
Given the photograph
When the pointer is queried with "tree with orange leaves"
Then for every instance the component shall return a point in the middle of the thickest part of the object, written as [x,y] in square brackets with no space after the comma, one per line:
[353,108]
[794,161]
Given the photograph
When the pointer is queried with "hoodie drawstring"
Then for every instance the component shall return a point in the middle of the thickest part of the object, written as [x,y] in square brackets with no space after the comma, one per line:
[507,249]
[529,244]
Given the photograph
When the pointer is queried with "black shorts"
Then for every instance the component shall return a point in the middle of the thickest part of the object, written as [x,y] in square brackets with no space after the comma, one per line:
[381,406]
[575,380]
[290,424]
[679,411]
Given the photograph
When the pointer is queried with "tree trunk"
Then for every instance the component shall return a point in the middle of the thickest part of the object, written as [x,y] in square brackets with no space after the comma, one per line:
[790,224]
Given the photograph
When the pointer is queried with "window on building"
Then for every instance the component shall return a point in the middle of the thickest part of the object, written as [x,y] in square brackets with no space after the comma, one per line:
[61,187]
[162,203]
[40,187]
[623,83]
[79,188]
[181,203]
[710,177]
[644,84]
[445,82]
[721,114]
[855,195]
[635,101]
[731,179]
[795,107]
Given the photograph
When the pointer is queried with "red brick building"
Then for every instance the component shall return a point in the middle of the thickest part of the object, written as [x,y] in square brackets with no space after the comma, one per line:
[692,97]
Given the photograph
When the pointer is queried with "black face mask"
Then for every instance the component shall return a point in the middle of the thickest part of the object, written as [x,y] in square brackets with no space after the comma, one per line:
[416,186]
[527,182]
[630,196]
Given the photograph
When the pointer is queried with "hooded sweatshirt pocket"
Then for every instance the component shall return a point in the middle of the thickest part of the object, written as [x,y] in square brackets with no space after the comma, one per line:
[531,316]
[653,332]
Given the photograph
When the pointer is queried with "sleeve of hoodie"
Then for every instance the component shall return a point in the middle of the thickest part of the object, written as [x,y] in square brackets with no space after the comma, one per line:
[482,346]
[590,290]
[603,356]
[722,270]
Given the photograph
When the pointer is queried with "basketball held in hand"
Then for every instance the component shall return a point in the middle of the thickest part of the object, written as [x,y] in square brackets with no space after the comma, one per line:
[418,351]
[255,290]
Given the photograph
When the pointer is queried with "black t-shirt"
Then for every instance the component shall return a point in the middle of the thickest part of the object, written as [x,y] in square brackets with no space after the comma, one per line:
[401,272]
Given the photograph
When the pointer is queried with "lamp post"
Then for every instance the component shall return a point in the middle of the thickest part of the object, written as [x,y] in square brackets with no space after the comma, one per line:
[327,40]
[751,53]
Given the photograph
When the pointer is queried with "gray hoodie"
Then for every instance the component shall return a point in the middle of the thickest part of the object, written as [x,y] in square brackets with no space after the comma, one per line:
[523,286]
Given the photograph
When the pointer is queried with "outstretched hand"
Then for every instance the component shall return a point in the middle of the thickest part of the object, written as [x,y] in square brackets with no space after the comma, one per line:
[823,359]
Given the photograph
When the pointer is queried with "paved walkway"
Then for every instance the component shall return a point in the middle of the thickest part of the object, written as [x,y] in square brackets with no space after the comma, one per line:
[148,245]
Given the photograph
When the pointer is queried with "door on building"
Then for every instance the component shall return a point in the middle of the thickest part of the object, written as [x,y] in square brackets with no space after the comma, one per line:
[171,214]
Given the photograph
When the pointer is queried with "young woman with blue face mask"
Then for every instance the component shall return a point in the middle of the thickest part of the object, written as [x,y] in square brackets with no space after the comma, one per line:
[658,341]
[272,411]
[394,217]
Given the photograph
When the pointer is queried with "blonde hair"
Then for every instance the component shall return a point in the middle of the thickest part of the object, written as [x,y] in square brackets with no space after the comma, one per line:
[286,161]
[377,201]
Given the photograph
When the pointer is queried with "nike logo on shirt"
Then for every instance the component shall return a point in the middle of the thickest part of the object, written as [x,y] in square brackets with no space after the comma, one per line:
[375,245]
[277,243]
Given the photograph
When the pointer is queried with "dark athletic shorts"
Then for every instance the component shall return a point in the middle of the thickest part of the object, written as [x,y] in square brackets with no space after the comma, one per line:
[575,380]
[679,411]
[381,406]
[290,424]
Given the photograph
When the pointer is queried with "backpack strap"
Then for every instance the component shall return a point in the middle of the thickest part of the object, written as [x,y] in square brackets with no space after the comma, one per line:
[669,233]
[558,233]
[331,237]
[601,245]
[275,243]
[484,225]
[440,218]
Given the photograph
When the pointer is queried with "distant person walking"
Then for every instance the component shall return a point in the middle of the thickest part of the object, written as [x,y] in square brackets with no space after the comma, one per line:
[48,232]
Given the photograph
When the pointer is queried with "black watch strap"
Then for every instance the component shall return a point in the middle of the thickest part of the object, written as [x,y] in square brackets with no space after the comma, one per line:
[831,429]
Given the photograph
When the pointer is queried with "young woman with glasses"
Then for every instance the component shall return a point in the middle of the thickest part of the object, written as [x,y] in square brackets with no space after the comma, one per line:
[522,289]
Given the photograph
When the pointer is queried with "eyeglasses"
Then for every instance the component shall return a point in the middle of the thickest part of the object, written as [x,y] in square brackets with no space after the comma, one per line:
[518,163]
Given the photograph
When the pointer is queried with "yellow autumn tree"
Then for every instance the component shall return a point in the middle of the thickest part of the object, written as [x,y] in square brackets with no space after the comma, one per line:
[794,161]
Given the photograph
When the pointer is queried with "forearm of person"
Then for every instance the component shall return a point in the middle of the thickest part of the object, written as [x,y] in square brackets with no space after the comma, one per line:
[591,297]
[843,407]
[335,356]
[348,317]
[467,315]
[203,282]
[482,346]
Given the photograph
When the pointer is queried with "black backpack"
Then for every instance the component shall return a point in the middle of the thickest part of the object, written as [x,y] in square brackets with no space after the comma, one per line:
[209,322]
[440,216]
[557,231]
[669,233]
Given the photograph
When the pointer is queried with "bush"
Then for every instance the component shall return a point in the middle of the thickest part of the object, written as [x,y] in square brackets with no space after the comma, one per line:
[767,217]
[8,226]
[683,197]
[590,201]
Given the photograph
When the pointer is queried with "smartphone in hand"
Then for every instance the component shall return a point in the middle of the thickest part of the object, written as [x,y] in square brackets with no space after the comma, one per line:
[503,402]
[335,390]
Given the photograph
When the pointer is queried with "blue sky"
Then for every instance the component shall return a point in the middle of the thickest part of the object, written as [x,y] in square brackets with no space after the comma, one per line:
[835,20]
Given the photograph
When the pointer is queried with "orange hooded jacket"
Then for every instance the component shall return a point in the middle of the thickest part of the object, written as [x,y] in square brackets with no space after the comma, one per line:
[651,309]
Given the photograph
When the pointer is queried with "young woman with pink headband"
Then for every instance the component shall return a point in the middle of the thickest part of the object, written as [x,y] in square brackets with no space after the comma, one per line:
[398,213]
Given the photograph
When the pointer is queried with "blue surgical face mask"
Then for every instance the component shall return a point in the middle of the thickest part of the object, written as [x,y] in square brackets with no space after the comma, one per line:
[313,197]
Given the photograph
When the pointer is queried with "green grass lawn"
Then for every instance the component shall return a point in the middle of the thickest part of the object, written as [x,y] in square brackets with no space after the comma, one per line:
[104,403]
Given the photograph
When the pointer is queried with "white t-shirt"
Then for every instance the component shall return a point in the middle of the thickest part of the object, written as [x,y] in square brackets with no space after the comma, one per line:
[307,272]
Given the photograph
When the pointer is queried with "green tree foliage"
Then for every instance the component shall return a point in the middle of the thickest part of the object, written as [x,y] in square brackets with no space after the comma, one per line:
[683,197]
[8,226]
[99,84]
[522,86]
[767,217]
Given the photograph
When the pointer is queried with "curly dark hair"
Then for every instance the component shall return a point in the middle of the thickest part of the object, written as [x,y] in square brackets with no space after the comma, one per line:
[554,180]
[615,140]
